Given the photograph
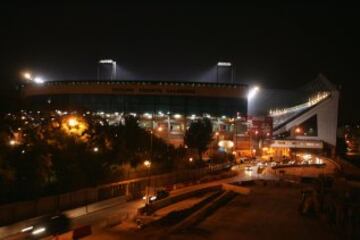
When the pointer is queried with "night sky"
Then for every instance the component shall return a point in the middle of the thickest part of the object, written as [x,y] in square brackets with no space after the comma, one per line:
[281,46]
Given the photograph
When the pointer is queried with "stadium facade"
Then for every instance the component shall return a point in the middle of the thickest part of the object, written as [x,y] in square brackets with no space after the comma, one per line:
[304,119]
[167,108]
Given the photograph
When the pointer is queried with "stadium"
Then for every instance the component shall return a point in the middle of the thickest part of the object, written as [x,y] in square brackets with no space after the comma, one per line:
[168,107]
[275,123]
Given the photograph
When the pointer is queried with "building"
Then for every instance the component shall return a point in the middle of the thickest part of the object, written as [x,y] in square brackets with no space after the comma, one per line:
[305,119]
[168,108]
[275,123]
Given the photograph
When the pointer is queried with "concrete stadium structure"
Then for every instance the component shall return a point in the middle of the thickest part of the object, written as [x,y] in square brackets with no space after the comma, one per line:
[304,118]
[166,108]
[308,122]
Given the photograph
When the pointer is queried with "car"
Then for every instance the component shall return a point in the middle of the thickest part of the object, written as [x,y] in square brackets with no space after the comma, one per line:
[160,194]
[243,160]
[248,168]
[48,225]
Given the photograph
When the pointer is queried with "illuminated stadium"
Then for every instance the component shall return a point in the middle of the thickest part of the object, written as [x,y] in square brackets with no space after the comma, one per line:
[166,106]
[305,118]
[275,121]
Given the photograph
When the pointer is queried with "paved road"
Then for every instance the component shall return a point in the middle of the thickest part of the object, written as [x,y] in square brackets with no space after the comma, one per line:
[129,208]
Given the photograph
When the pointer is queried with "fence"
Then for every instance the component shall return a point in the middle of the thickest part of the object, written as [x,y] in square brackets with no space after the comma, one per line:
[132,188]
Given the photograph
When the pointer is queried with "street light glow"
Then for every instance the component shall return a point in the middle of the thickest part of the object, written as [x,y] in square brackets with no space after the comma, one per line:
[191,159]
[147,163]
[27,76]
[12,142]
[177,116]
[72,122]
[252,92]
[95,149]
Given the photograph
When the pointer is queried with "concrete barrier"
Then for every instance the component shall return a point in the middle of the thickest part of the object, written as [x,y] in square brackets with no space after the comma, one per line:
[73,213]
[197,216]
[235,188]
[94,228]
[82,232]
[174,199]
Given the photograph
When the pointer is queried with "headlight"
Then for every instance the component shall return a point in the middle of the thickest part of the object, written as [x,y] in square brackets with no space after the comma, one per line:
[152,198]
[38,231]
[27,229]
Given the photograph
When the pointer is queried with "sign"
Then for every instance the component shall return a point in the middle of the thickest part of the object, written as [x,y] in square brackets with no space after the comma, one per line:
[260,126]
[296,144]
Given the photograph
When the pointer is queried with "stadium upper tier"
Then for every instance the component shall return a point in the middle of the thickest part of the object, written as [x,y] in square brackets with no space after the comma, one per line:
[141,96]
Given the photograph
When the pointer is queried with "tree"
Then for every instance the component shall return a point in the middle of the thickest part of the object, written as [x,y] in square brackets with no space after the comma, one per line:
[199,135]
[341,147]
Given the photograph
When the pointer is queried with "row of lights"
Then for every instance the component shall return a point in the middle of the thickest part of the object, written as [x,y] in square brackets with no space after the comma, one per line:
[35,79]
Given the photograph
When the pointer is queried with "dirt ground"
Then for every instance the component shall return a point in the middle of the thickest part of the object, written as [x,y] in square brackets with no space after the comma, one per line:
[269,212]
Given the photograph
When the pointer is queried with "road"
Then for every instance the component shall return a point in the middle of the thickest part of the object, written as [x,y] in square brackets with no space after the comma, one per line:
[128,208]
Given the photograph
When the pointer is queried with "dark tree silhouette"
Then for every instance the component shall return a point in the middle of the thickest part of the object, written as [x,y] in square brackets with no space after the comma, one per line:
[341,147]
[199,135]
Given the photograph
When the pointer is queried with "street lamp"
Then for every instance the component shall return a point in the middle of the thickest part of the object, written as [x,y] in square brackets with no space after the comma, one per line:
[27,76]
[12,142]
[147,164]
[191,172]
[73,122]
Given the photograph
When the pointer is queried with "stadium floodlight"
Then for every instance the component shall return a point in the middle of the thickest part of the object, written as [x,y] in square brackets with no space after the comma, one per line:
[252,92]
[107,61]
[39,80]
[224,64]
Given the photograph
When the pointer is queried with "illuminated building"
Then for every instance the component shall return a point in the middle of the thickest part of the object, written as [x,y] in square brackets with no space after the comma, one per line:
[166,108]
[304,119]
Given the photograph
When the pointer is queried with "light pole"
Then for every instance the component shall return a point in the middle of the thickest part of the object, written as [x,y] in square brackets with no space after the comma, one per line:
[224,65]
[191,170]
[250,96]
[147,164]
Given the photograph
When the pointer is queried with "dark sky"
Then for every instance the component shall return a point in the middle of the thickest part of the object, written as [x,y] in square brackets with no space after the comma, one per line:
[282,46]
